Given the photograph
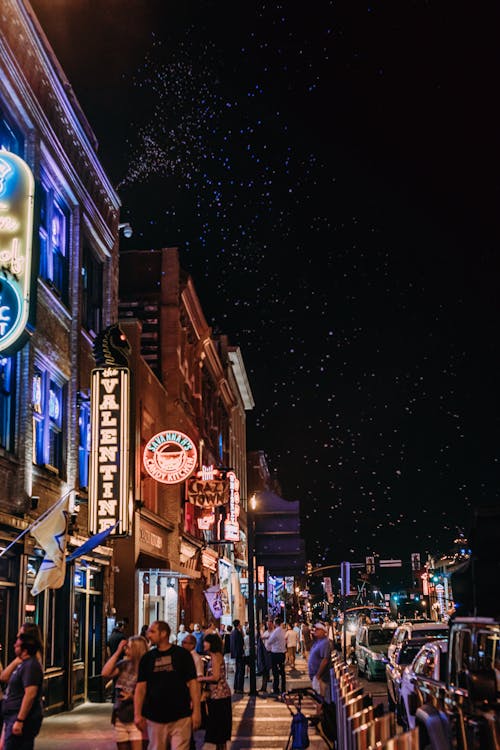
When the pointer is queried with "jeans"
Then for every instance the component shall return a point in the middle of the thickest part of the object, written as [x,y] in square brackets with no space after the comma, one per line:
[278,666]
[24,741]
[239,673]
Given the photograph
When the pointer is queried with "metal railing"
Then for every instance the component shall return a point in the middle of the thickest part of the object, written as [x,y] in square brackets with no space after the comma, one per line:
[360,724]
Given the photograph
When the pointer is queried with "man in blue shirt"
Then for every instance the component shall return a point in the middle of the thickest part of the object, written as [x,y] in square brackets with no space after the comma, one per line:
[319,661]
[22,705]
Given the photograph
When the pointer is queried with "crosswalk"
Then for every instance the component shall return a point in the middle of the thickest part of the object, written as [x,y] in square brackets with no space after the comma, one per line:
[263,723]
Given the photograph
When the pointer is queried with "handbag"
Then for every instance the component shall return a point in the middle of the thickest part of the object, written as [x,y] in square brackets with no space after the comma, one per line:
[124,711]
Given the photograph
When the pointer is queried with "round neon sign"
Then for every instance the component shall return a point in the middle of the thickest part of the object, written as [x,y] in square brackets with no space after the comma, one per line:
[170,457]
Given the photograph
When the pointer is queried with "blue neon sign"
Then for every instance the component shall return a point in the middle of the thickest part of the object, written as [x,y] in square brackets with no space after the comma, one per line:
[17,188]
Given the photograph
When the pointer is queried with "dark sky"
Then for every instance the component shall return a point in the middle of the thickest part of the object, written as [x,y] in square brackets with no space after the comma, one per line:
[330,173]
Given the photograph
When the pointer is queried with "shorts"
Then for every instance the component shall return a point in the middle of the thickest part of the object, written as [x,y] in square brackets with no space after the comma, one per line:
[127,732]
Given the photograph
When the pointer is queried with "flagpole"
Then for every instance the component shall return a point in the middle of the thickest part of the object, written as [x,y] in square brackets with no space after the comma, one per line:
[36,522]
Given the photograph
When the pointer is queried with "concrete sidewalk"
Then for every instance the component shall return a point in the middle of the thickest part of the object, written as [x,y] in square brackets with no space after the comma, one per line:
[88,727]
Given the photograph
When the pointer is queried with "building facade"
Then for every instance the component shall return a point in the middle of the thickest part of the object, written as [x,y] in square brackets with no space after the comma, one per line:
[196,388]
[44,381]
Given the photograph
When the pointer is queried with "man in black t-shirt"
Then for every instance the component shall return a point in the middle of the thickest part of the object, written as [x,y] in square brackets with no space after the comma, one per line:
[22,704]
[167,694]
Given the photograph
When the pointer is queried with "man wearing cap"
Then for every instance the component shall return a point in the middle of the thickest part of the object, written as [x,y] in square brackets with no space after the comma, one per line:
[319,661]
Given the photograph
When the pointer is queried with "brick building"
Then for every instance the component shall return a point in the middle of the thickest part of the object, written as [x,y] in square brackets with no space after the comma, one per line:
[197,386]
[44,381]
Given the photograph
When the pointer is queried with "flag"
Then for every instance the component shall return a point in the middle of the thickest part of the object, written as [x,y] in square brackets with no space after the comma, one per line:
[51,535]
[214,600]
[91,543]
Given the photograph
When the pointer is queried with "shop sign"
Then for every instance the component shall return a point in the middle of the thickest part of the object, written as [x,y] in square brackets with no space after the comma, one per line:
[231,525]
[170,457]
[206,521]
[17,189]
[109,457]
[208,488]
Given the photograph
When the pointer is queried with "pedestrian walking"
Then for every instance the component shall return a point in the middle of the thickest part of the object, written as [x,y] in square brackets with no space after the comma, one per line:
[116,637]
[226,649]
[306,637]
[263,656]
[167,694]
[198,634]
[296,627]
[319,661]
[291,646]
[181,634]
[22,704]
[189,643]
[276,643]
[219,719]
[123,667]
[238,654]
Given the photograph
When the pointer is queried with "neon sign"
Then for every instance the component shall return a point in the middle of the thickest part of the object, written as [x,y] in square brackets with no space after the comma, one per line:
[231,524]
[170,457]
[109,455]
[17,188]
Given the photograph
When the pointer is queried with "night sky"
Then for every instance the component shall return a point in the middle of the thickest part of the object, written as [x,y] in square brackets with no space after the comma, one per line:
[330,173]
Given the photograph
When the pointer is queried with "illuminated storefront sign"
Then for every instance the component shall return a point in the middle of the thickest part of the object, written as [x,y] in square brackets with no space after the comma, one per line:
[170,457]
[17,188]
[231,524]
[209,487]
[109,457]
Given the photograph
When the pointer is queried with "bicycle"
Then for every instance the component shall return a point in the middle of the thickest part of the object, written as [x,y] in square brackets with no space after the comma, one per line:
[324,722]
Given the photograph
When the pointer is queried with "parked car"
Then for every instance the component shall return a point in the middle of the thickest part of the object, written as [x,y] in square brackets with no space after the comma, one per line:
[401,658]
[462,708]
[372,642]
[431,662]
[417,629]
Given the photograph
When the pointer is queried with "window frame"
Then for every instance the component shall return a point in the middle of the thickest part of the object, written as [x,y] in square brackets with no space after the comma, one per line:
[49,428]
[8,404]
[54,266]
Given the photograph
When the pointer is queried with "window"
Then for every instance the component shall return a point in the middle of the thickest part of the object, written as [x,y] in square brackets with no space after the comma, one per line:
[84,442]
[92,290]
[10,138]
[48,402]
[7,402]
[54,246]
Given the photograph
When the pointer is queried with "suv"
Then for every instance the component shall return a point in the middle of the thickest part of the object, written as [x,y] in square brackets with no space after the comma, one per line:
[417,629]
[372,642]
[401,658]
[462,710]
[431,661]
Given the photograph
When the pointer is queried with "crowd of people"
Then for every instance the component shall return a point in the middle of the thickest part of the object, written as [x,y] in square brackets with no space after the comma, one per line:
[168,687]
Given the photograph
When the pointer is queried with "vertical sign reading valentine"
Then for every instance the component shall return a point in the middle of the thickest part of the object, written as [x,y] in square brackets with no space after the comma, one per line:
[109,457]
[231,524]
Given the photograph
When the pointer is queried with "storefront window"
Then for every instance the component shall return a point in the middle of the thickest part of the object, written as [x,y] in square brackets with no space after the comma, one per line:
[158,593]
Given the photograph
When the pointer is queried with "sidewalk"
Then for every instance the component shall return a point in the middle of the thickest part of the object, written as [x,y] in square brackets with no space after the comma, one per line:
[258,722]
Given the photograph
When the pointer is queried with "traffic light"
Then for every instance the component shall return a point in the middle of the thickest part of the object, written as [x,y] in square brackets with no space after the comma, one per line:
[370,565]
[309,568]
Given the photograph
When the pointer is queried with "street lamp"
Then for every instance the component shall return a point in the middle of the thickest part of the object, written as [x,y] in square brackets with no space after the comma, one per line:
[252,505]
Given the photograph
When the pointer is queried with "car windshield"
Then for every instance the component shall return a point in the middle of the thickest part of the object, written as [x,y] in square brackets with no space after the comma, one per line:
[433,632]
[380,637]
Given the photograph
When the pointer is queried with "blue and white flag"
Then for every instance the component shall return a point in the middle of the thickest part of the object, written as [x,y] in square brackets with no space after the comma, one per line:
[91,543]
[51,534]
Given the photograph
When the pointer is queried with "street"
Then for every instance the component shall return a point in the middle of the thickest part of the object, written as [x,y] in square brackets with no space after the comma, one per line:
[258,722]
